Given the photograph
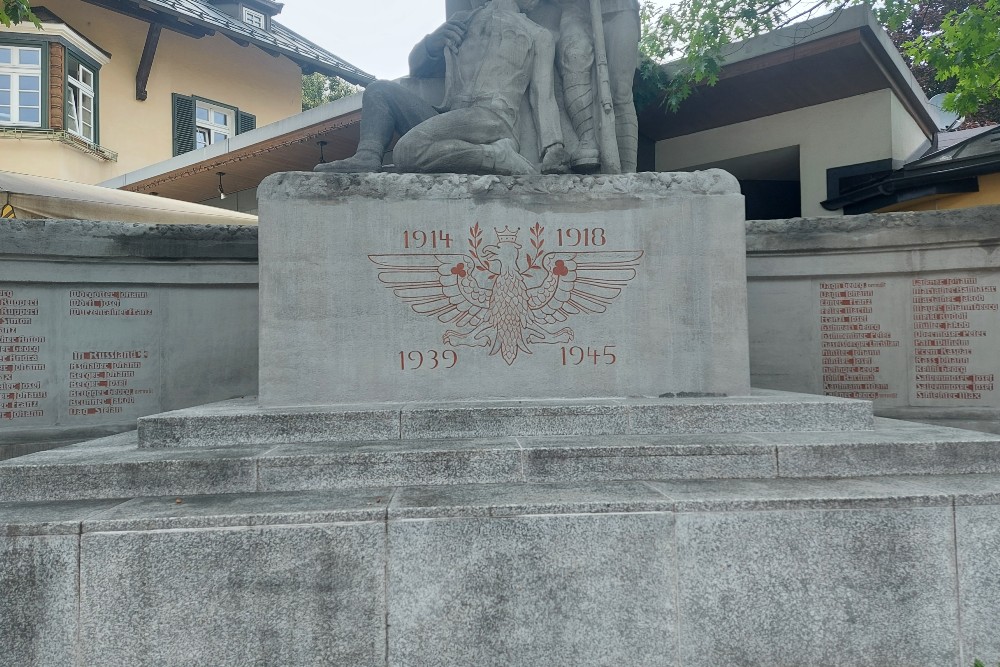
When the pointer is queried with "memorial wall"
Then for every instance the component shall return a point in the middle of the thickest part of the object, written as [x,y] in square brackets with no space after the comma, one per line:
[101,323]
[902,309]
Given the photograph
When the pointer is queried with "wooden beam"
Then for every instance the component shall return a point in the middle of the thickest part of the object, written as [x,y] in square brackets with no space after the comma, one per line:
[146,62]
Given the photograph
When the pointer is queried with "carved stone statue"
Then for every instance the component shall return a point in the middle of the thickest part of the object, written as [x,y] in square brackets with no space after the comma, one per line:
[576,58]
[490,57]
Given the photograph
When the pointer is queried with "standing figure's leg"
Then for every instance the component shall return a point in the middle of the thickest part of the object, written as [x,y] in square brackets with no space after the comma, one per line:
[386,109]
[621,38]
[575,56]
[464,141]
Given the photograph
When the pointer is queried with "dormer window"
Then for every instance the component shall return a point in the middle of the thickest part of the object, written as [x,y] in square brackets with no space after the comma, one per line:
[254,18]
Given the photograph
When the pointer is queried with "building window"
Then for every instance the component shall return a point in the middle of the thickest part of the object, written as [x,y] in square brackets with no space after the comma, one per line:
[254,18]
[213,124]
[21,86]
[199,123]
[80,100]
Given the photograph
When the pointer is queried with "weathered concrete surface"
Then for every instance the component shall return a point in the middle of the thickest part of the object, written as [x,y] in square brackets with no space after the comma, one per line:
[117,468]
[390,287]
[242,422]
[857,572]
[899,308]
[855,587]
[101,323]
[94,238]
[280,595]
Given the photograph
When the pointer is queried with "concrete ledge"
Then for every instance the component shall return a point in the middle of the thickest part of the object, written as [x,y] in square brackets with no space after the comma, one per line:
[875,230]
[647,185]
[89,238]
[243,422]
[117,468]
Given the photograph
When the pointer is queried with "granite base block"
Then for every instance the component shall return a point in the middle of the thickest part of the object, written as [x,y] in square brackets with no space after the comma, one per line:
[72,474]
[358,465]
[852,588]
[292,595]
[978,530]
[242,422]
[38,599]
[895,448]
[637,458]
[582,590]
[852,572]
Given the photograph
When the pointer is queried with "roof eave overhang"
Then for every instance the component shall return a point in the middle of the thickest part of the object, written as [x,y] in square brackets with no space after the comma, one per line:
[193,27]
[839,65]
[911,180]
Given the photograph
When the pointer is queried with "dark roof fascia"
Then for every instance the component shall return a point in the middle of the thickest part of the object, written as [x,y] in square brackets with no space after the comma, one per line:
[915,106]
[950,188]
[182,15]
[908,179]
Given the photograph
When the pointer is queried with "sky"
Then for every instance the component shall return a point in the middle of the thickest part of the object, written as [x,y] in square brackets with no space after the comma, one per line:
[375,35]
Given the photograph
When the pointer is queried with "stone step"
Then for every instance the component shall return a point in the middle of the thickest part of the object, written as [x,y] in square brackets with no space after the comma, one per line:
[691,573]
[241,422]
[115,467]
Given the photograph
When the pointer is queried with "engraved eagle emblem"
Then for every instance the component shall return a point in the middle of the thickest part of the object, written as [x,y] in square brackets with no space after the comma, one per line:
[499,297]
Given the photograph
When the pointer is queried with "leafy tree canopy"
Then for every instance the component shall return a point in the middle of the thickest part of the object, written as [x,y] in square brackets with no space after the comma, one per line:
[956,44]
[318,89]
[17,11]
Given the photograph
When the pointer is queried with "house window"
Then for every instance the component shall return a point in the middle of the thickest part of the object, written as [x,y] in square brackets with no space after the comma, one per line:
[199,123]
[254,18]
[80,100]
[213,124]
[21,86]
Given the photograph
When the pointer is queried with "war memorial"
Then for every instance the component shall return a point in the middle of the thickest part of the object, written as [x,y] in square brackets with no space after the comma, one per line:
[504,414]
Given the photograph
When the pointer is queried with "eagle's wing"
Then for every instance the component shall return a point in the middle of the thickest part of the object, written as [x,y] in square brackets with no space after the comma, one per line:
[581,282]
[439,285]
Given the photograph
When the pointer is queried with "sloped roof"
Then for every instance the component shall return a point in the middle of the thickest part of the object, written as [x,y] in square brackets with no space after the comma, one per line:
[311,57]
[833,57]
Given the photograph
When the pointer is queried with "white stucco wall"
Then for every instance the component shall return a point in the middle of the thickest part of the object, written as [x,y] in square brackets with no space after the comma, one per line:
[868,127]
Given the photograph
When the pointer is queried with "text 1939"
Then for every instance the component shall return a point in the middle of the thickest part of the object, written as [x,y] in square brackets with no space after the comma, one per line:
[427,360]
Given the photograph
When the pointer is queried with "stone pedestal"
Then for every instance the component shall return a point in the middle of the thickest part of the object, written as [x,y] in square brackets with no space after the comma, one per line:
[388,287]
[384,510]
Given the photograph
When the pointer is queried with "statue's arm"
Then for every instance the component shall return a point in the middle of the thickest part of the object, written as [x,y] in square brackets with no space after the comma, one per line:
[541,92]
[427,57]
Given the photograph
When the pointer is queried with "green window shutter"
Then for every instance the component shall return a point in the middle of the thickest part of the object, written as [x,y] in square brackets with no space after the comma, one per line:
[183,108]
[245,122]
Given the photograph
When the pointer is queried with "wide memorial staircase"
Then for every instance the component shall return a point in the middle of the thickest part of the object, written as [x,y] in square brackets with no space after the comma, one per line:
[768,529]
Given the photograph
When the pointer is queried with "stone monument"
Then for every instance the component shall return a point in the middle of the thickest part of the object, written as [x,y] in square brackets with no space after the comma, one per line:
[504,419]
[509,82]
[490,57]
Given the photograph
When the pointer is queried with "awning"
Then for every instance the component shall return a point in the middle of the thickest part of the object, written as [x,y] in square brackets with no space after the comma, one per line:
[34,197]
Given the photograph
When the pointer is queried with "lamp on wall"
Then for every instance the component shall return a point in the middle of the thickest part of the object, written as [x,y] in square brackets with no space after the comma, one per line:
[322,158]
[222,193]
